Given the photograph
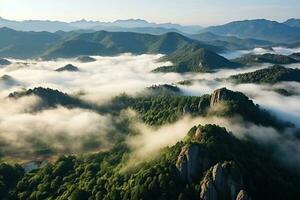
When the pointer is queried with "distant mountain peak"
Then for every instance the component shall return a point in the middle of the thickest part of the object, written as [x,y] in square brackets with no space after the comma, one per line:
[131,20]
[293,22]
[261,29]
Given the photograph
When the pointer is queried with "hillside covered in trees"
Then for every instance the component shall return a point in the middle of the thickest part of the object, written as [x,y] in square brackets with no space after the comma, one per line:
[210,162]
[271,75]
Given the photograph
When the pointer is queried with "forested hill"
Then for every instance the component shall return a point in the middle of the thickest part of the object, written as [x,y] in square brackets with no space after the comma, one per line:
[271,75]
[112,43]
[209,162]
[72,44]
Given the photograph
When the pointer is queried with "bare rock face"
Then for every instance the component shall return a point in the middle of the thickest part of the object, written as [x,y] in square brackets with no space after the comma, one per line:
[203,105]
[187,162]
[242,195]
[218,96]
[186,110]
[222,181]
[208,191]
[191,162]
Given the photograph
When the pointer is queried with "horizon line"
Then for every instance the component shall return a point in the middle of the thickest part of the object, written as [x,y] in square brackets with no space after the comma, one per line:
[136,19]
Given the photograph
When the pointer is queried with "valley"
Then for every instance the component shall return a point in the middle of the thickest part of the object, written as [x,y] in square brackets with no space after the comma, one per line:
[137,110]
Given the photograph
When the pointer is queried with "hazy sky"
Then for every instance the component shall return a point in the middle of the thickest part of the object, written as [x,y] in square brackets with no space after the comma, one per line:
[203,12]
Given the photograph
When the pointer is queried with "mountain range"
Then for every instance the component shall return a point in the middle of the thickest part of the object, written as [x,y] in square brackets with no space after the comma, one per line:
[112,43]
[261,29]
[209,163]
[132,25]
[258,29]
[293,22]
[230,42]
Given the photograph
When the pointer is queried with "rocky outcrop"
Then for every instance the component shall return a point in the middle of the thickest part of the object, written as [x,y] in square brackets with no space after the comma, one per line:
[186,109]
[222,181]
[242,195]
[191,162]
[203,104]
[219,95]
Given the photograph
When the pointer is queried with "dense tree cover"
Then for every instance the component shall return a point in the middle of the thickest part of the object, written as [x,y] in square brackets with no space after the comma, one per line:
[21,44]
[100,176]
[269,75]
[164,108]
[25,44]
[105,176]
[108,175]
[51,98]
[113,43]
[9,177]
[158,110]
[195,60]
[164,89]
[263,176]
[236,103]
[160,107]
[162,104]
[230,42]
[266,58]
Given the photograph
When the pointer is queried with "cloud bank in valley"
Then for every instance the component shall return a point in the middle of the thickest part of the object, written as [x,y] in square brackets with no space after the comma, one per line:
[274,50]
[25,133]
[148,144]
[71,130]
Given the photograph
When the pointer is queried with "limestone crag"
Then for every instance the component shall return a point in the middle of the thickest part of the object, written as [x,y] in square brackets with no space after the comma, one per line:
[222,181]
[242,195]
[219,95]
[191,162]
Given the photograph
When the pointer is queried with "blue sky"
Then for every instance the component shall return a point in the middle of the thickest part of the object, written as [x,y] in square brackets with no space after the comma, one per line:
[202,12]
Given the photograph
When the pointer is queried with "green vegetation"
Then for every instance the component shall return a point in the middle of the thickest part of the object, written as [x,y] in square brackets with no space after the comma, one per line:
[102,175]
[113,43]
[271,75]
[230,42]
[25,44]
[195,60]
[10,175]
[187,55]
[158,110]
[72,44]
[108,175]
[164,89]
[51,98]
[266,58]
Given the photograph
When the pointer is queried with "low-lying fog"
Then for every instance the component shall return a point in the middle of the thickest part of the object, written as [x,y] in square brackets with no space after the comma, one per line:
[103,79]
[274,50]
